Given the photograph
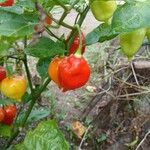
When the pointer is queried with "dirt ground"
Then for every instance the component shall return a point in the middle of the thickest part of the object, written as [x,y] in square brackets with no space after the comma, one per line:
[114,123]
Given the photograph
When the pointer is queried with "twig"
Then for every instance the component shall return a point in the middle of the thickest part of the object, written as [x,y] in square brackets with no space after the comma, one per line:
[132,67]
[134,94]
[143,140]
[84,137]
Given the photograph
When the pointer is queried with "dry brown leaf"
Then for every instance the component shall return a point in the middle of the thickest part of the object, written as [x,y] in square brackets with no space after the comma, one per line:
[78,129]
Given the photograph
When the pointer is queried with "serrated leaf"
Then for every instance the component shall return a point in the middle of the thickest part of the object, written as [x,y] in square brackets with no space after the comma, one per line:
[46,136]
[100,34]
[45,48]
[131,16]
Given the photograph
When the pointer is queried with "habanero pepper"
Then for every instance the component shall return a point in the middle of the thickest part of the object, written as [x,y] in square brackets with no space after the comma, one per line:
[73,72]
[75,44]
[7,3]
[14,87]
[148,34]
[2,73]
[103,9]
[10,114]
[2,114]
[131,42]
[53,69]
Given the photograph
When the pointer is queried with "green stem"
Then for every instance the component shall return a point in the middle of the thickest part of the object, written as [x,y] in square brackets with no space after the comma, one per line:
[74,31]
[28,74]
[34,97]
[52,34]
[61,4]
[63,16]
[79,50]
[62,23]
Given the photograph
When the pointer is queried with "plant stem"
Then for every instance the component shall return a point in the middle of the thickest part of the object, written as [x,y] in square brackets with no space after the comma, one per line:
[34,97]
[28,74]
[79,50]
[52,34]
[61,4]
[74,31]
[62,23]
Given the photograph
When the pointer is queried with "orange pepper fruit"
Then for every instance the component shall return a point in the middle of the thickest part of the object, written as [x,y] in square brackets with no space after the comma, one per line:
[53,69]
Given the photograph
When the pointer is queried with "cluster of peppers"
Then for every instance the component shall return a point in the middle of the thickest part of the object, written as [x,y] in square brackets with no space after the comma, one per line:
[130,42]
[72,71]
[8,114]
[13,87]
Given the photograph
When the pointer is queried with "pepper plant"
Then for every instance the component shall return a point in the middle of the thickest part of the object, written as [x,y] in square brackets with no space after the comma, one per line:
[26,30]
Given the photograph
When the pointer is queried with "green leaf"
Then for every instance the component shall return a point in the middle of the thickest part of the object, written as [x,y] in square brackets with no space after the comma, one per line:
[5,130]
[14,9]
[28,5]
[46,136]
[42,67]
[35,115]
[17,25]
[7,101]
[131,16]
[45,48]
[102,138]
[100,34]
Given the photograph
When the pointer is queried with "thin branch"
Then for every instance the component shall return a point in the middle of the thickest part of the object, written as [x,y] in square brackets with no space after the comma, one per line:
[134,94]
[84,138]
[134,74]
[143,140]
[61,4]
[52,34]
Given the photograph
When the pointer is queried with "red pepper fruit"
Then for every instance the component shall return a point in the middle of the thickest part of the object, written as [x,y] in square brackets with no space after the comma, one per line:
[2,114]
[73,72]
[11,112]
[7,3]
[75,45]
[2,73]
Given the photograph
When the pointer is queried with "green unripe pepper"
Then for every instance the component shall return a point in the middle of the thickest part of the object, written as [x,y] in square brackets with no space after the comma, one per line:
[132,41]
[103,9]
[148,34]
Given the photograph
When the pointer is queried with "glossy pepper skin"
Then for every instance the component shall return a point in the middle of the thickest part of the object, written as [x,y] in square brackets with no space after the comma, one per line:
[75,45]
[14,87]
[53,69]
[73,72]
[10,114]
[7,3]
[148,34]
[103,9]
[131,42]
[2,114]
[2,73]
